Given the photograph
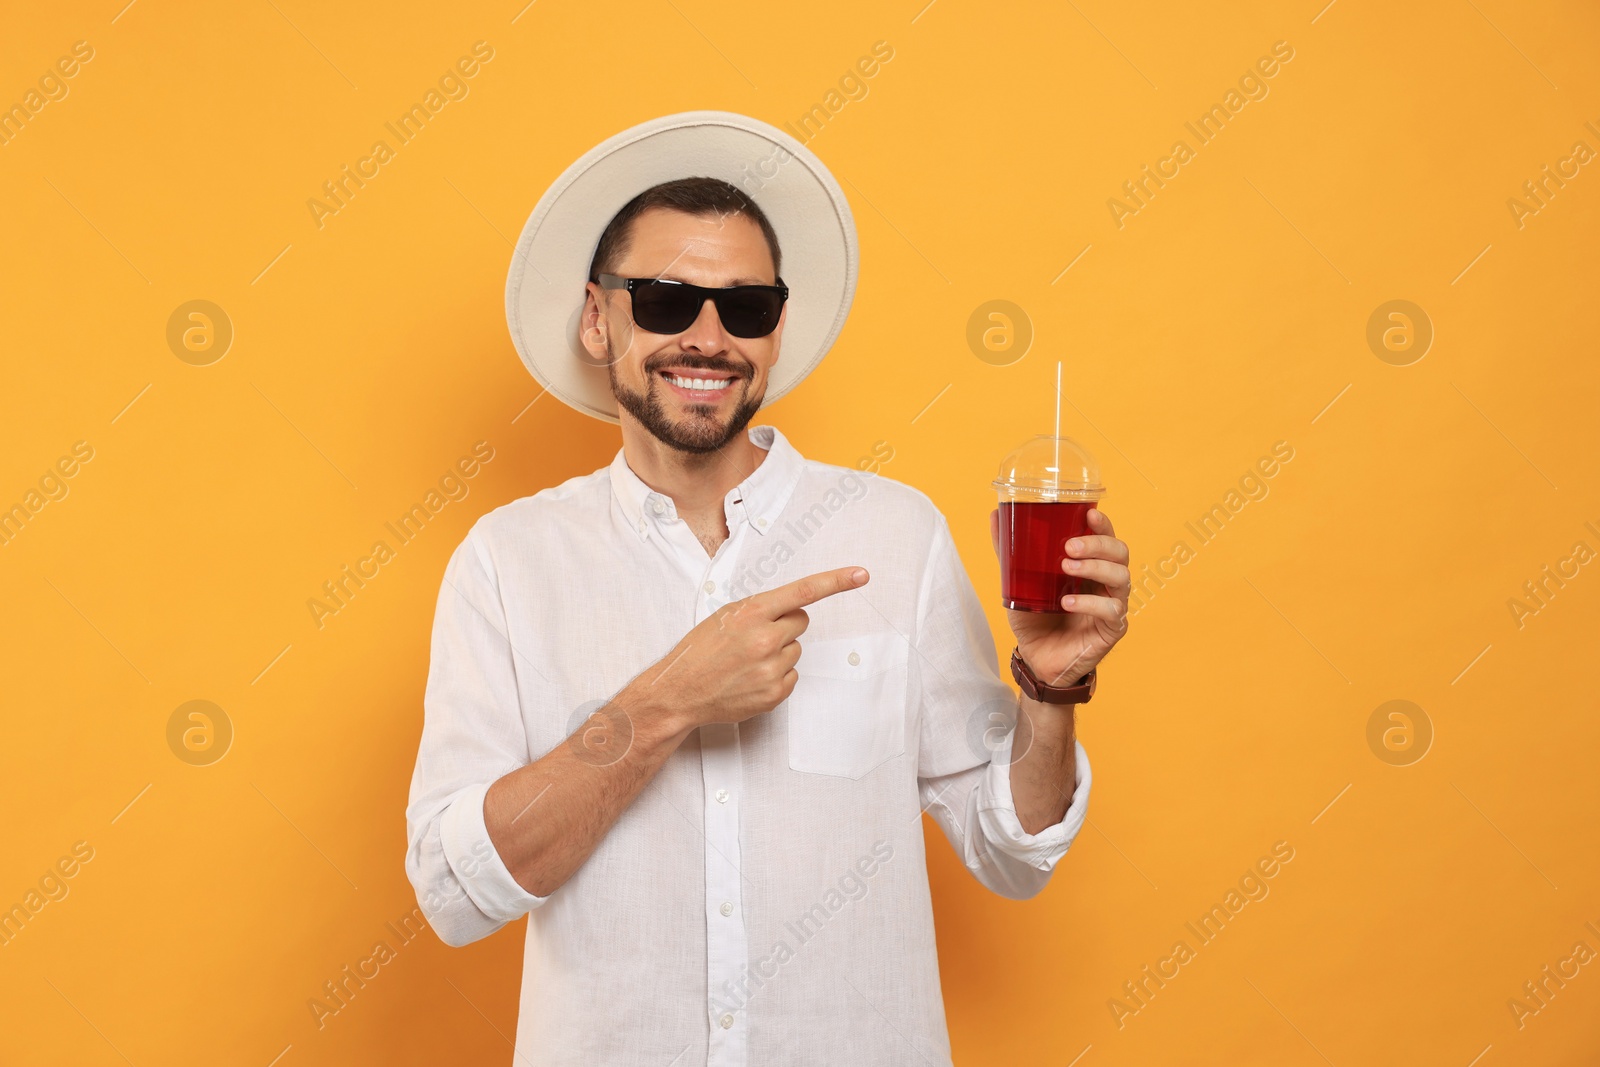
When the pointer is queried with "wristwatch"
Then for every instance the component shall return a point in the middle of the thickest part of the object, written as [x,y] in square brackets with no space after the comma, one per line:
[1077,693]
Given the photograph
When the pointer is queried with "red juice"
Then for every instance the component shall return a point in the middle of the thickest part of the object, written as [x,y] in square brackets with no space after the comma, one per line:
[1033,538]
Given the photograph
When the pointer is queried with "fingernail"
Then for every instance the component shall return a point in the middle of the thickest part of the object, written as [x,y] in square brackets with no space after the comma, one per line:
[1068,601]
[858,575]
[1074,544]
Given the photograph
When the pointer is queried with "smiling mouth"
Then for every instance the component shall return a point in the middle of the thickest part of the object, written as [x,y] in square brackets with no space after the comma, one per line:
[699,385]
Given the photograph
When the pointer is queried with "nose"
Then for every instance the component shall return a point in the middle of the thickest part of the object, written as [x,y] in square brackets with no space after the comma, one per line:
[705,333]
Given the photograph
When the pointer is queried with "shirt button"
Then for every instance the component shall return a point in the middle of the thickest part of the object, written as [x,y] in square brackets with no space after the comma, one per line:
[727,907]
[658,507]
[722,796]
[710,587]
[855,659]
[761,522]
[727,1022]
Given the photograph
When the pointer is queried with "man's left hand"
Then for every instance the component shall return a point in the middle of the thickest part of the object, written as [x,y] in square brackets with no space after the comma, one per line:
[1060,649]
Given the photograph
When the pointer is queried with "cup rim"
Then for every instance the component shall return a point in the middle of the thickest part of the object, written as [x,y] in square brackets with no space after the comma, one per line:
[1070,493]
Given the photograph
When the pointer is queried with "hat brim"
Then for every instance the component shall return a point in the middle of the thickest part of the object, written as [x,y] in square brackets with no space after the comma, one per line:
[549,269]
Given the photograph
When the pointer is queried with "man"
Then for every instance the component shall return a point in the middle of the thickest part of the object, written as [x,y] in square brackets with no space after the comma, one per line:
[686,712]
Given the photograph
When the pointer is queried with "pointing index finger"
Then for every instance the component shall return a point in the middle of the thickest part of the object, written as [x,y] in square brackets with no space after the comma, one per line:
[810,589]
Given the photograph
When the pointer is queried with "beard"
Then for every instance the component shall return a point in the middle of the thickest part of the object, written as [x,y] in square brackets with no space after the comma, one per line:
[698,432]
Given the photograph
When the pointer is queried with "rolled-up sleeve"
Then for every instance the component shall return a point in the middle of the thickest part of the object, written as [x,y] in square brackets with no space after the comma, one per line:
[968,719]
[472,735]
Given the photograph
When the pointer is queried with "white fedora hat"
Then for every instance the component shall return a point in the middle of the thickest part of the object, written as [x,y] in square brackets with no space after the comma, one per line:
[807,209]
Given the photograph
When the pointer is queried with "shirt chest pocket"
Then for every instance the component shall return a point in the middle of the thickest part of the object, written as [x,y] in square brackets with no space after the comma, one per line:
[847,713]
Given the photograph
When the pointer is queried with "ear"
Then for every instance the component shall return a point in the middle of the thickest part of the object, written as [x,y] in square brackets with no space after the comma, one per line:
[592,324]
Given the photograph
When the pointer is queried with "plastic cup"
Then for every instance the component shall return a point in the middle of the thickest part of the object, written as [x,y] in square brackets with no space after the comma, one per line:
[1047,488]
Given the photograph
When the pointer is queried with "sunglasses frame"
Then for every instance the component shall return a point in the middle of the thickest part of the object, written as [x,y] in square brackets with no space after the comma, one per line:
[614,281]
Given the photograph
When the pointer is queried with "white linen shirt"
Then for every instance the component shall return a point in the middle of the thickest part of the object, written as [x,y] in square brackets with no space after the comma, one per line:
[764,900]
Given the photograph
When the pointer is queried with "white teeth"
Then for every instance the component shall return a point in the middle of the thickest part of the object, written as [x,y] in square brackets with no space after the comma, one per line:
[701,384]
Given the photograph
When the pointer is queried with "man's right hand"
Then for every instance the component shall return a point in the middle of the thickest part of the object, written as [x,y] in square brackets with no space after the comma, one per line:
[740,661]
[736,664]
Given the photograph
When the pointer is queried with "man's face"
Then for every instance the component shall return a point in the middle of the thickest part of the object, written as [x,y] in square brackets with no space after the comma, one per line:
[706,250]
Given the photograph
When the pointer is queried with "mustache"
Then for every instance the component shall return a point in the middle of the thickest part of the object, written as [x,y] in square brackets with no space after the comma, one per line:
[697,363]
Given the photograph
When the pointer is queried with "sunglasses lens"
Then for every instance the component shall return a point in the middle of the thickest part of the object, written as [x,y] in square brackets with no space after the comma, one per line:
[752,313]
[665,308]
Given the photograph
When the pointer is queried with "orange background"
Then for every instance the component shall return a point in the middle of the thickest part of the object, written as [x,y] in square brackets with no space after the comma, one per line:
[1226,315]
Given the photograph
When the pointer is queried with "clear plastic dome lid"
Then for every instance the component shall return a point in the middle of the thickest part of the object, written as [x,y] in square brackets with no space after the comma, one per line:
[1050,468]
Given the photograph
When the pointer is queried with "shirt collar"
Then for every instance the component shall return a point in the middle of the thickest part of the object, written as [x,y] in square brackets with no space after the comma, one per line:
[757,500]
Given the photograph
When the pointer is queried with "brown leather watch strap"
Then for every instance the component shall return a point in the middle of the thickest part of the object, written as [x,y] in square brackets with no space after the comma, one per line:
[1078,693]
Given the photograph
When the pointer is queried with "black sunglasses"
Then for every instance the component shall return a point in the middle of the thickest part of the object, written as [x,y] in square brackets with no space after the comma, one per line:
[662,306]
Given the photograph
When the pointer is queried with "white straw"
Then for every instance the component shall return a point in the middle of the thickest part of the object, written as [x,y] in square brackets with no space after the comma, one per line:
[1058,429]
